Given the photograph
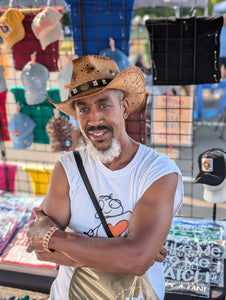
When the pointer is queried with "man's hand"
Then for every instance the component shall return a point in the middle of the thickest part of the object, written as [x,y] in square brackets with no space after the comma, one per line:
[161,255]
[37,230]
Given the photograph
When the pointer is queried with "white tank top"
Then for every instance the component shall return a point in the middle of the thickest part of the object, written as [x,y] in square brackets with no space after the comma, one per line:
[117,192]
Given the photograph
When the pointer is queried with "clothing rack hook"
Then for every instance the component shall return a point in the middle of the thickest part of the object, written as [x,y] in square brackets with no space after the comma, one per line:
[56,113]
[17,108]
[33,58]
[112,44]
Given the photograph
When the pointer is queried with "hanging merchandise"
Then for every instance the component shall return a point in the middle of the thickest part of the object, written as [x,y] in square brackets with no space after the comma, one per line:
[64,79]
[34,77]
[4,132]
[22,50]
[185,51]
[21,129]
[40,113]
[47,27]
[212,174]
[93,22]
[117,55]
[7,177]
[11,27]
[59,130]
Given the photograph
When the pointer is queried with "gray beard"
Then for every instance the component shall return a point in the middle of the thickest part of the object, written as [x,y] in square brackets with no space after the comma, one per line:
[105,156]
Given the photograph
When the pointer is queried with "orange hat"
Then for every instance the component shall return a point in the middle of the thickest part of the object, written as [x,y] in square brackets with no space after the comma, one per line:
[11,27]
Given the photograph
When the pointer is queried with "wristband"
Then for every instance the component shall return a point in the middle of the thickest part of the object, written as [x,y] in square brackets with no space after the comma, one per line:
[47,237]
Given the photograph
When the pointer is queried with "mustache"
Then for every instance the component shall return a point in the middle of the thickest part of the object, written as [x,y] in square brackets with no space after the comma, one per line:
[98,127]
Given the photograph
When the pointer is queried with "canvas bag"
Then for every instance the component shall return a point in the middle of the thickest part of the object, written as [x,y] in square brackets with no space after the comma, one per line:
[88,283]
[185,50]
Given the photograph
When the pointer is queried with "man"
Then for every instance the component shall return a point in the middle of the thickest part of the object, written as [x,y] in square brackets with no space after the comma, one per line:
[138,190]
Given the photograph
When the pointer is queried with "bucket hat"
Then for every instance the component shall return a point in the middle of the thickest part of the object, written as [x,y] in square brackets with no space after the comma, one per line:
[212,167]
[92,74]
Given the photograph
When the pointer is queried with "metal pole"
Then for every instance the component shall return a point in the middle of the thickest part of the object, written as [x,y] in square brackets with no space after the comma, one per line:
[82,25]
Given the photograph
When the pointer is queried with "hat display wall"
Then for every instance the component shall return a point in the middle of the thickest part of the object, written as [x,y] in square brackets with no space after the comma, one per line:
[11,26]
[48,57]
[117,55]
[212,167]
[47,27]
[92,74]
[21,129]
[215,194]
[34,77]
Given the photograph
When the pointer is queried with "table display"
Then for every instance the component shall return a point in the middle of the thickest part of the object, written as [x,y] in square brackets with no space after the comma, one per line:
[194,262]
[195,257]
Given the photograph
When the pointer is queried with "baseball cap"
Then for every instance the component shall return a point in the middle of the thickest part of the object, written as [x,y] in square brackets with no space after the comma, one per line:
[118,56]
[46,26]
[11,27]
[21,129]
[34,77]
[63,80]
[212,167]
[2,80]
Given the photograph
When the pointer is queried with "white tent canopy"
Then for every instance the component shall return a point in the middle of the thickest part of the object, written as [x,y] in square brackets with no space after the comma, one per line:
[170,3]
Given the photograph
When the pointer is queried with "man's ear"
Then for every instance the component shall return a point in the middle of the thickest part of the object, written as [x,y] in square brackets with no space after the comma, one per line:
[125,104]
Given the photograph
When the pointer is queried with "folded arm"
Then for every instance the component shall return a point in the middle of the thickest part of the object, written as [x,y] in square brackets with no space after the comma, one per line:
[149,225]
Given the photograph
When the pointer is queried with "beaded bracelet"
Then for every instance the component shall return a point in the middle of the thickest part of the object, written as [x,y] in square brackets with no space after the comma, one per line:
[47,237]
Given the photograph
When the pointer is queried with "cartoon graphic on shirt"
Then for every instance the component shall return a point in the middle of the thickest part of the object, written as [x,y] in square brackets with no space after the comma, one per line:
[117,219]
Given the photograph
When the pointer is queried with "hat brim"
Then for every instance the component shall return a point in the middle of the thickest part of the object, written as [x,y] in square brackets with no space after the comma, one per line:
[209,179]
[51,37]
[131,81]
[23,143]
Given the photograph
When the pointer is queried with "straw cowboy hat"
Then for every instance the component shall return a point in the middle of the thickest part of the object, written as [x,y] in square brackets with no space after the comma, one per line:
[93,74]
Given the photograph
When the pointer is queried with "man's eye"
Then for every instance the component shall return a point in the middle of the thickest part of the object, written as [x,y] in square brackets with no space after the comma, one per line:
[83,110]
[104,106]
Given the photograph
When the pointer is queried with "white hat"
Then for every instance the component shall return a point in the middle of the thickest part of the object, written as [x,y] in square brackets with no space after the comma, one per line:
[215,194]
[64,80]
[46,26]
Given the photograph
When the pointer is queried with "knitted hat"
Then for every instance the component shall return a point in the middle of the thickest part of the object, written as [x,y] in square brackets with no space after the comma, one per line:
[94,73]
[59,130]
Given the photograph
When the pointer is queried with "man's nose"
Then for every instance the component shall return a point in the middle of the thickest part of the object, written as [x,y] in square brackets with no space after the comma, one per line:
[95,117]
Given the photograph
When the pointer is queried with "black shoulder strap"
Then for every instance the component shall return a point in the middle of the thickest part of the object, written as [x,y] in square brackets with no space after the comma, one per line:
[91,192]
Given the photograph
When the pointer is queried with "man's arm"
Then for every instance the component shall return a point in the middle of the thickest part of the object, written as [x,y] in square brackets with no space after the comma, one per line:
[56,205]
[149,225]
